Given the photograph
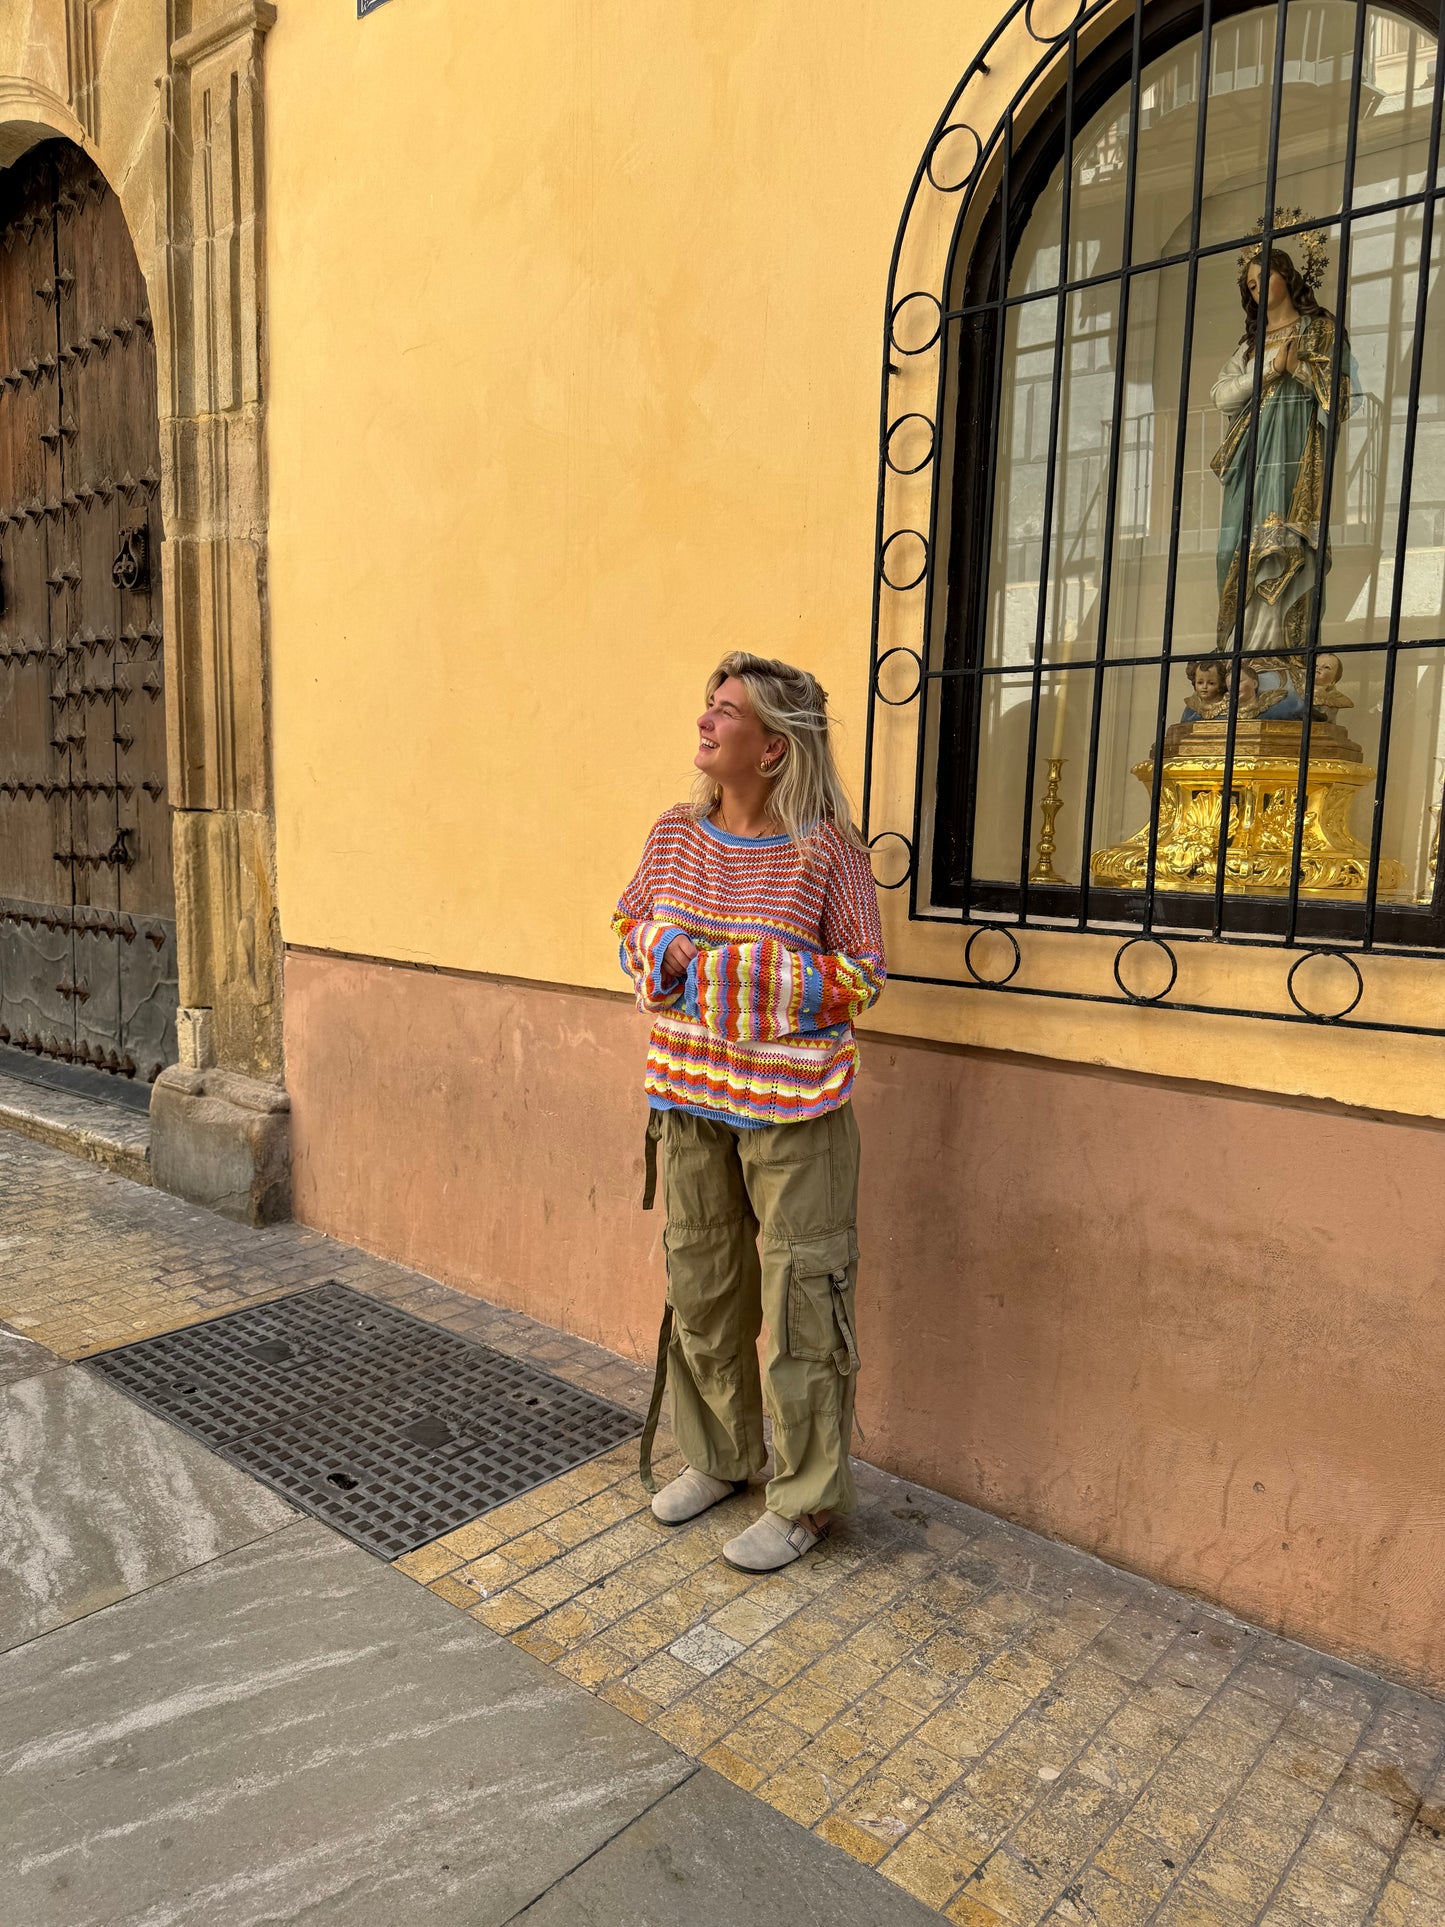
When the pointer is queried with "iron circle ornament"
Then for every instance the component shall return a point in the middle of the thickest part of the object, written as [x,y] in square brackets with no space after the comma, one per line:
[1324,1016]
[913,581]
[898,702]
[896,312]
[892,836]
[1081,7]
[992,930]
[913,468]
[1138,996]
[960,128]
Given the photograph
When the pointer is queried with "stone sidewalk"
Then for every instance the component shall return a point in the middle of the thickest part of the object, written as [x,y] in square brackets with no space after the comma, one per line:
[1007,1730]
[213,1711]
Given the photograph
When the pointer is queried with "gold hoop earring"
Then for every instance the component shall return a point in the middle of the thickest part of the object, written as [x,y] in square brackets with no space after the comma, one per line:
[770,769]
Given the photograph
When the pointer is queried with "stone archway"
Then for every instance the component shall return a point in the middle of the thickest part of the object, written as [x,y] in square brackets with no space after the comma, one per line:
[165,96]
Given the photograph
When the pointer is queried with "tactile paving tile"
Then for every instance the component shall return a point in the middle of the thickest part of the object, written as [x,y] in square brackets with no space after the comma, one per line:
[389,1429]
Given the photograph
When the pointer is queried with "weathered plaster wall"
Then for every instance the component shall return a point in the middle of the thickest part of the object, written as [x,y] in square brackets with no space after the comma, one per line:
[575,333]
[1195,1332]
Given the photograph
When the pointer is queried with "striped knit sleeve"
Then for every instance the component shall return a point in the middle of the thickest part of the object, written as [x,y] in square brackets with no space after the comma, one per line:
[642,942]
[764,990]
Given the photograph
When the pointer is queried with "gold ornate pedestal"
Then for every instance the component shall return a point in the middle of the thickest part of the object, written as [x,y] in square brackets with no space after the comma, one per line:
[1264,779]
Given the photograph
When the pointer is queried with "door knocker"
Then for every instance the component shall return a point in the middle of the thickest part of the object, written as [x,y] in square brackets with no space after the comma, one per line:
[130,568]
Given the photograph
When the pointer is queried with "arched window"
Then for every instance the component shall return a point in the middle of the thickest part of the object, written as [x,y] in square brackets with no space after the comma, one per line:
[1179,596]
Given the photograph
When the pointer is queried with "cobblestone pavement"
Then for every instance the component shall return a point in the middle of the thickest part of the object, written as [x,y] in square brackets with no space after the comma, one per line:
[1010,1730]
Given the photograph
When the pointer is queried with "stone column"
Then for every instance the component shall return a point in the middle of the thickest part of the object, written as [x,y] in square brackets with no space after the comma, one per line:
[219,1125]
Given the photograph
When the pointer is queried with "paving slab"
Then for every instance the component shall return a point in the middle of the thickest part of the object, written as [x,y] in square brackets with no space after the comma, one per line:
[99,1499]
[296,1732]
[709,1852]
[962,1704]
[21,1357]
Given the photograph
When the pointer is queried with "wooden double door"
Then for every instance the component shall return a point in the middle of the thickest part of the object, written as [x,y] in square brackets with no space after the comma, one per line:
[87,892]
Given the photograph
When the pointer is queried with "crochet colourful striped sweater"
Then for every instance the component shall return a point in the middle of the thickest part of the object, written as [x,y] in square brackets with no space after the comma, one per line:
[760,1031]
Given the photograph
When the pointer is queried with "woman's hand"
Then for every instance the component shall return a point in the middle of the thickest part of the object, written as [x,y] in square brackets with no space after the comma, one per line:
[676,958]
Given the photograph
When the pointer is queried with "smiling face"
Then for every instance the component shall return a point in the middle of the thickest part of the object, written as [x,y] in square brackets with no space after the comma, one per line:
[732,743]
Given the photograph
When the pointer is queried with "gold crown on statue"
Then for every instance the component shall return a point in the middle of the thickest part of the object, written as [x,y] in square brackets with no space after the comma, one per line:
[1310,247]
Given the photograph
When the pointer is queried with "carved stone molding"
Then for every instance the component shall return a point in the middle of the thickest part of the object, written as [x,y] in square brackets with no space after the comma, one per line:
[30,112]
[256,17]
[84,38]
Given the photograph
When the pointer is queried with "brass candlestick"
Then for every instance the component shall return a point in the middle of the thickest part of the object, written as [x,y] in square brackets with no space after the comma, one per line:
[1049,806]
[1427,895]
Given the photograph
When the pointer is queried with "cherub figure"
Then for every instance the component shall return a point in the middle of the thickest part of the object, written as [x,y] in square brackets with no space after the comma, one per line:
[1208,685]
[1329,697]
[1208,698]
[1277,704]
[1245,690]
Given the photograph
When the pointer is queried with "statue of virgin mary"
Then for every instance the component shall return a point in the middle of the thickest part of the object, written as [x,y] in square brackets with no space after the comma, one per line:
[1285,551]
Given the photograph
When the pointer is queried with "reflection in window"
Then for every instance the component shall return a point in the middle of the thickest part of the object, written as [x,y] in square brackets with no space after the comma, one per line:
[1094,578]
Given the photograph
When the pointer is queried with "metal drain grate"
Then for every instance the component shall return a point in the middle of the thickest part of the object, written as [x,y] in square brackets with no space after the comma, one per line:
[389,1429]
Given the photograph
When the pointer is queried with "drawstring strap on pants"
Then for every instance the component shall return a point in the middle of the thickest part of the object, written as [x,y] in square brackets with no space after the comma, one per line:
[649,1159]
[664,1336]
[654,1410]
[846,1360]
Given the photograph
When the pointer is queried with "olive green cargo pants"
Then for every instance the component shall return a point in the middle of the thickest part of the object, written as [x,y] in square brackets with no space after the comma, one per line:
[760,1225]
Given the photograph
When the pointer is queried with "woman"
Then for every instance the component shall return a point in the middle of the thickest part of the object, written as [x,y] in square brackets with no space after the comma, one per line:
[751,932]
[1286,547]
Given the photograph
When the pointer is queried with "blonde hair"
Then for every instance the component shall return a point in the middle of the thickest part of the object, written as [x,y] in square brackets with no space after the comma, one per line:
[807,790]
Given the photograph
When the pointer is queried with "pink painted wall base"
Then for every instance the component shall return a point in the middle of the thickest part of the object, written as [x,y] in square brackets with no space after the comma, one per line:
[1193,1331]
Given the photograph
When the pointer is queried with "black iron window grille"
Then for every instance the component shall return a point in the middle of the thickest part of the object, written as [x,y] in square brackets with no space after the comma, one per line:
[1159,625]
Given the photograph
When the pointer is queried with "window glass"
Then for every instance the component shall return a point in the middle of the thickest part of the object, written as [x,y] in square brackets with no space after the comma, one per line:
[1118,501]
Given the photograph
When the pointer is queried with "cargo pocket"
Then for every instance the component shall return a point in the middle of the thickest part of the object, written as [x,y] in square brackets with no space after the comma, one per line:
[821,1279]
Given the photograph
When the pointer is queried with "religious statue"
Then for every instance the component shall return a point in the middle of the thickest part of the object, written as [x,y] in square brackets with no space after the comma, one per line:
[1251,691]
[1329,697]
[1276,701]
[1285,552]
[1245,720]
[1209,683]
[1235,769]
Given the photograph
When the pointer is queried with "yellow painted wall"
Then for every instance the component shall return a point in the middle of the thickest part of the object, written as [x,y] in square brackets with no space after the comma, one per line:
[575,319]
[575,331]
